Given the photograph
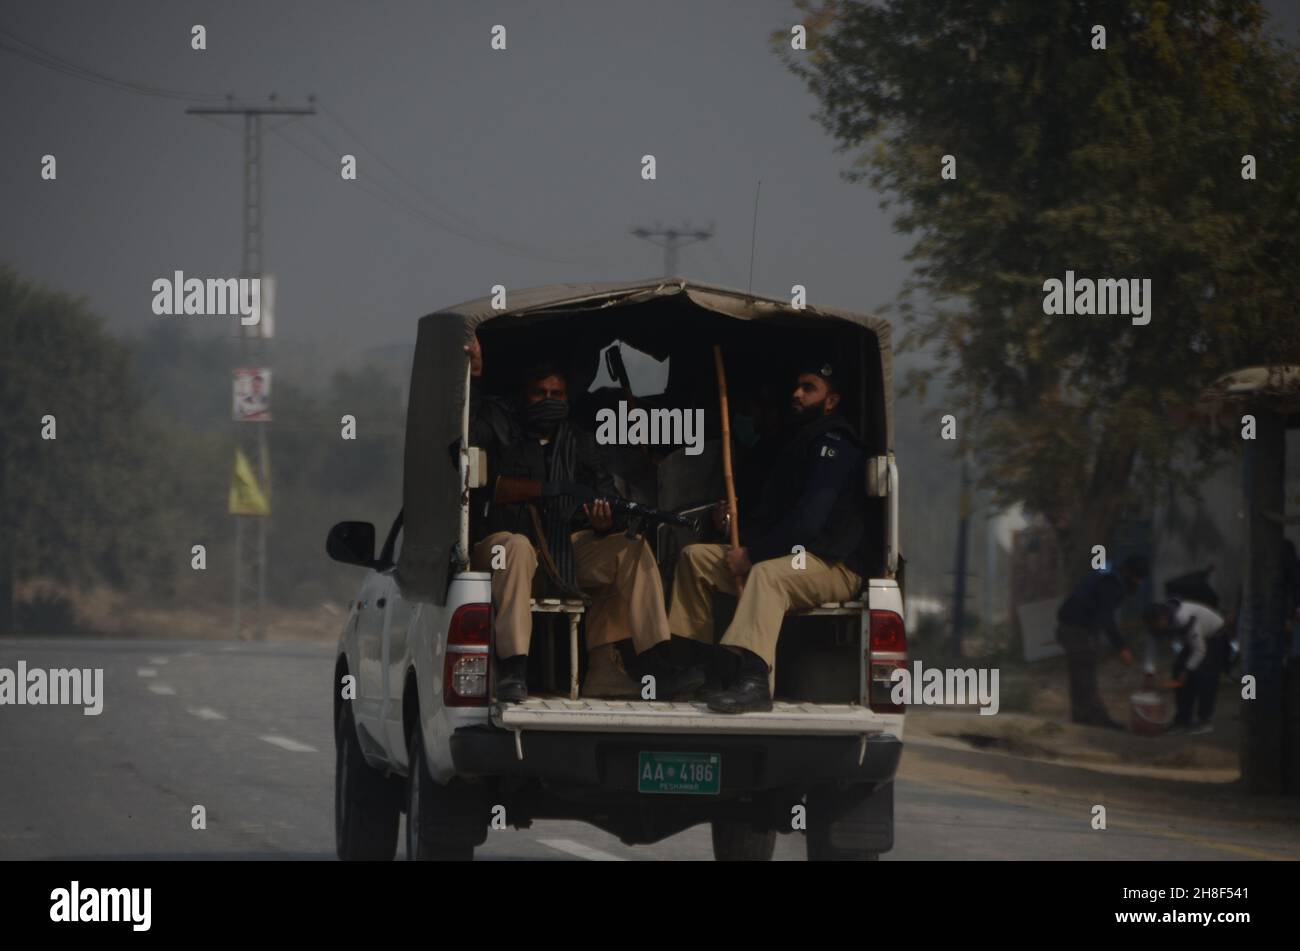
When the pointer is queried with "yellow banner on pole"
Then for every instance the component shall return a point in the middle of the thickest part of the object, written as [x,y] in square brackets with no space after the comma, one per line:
[246,496]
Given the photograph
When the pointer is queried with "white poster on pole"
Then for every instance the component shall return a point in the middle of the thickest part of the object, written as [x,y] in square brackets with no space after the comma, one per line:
[252,394]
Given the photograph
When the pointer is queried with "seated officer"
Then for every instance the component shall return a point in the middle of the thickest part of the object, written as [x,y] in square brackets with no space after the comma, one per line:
[812,497]
[532,448]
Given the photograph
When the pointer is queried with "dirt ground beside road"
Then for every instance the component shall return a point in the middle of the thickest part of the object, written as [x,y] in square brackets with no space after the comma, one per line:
[106,612]
[1177,783]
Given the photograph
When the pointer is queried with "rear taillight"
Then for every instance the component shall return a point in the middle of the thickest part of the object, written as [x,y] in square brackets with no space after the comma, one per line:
[886,653]
[465,668]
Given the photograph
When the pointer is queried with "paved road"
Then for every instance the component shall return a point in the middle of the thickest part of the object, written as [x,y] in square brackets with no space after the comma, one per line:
[244,730]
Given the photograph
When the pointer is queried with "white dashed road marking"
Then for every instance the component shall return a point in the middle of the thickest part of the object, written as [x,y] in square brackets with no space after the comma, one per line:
[146,672]
[163,689]
[157,661]
[581,851]
[205,713]
[293,746]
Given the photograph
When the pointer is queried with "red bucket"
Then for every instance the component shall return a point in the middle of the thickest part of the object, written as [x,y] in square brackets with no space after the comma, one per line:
[1149,713]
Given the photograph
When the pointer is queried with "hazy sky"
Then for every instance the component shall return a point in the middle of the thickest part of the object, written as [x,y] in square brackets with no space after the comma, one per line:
[538,145]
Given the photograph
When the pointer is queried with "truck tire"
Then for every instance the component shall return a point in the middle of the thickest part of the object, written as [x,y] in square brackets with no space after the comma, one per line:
[367,804]
[850,823]
[741,842]
[443,823]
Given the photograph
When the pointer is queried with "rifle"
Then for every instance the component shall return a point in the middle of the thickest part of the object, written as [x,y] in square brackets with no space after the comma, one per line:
[511,490]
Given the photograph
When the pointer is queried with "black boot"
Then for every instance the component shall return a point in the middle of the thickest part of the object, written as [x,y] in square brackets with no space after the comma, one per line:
[749,694]
[512,679]
[722,667]
[672,681]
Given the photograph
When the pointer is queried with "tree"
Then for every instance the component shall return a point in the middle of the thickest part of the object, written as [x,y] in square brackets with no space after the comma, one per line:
[76,507]
[1123,162]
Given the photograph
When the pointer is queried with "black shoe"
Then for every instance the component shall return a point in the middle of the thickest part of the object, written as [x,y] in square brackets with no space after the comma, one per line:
[722,667]
[512,679]
[682,684]
[748,695]
[672,682]
[710,692]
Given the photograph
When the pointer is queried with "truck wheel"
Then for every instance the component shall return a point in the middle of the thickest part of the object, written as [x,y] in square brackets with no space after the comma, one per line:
[741,842]
[443,823]
[367,804]
[850,824]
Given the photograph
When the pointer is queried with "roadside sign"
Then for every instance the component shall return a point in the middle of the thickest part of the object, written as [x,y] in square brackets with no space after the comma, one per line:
[252,394]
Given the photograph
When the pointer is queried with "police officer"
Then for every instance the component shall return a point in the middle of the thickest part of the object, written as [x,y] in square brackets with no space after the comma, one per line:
[1087,612]
[519,523]
[812,497]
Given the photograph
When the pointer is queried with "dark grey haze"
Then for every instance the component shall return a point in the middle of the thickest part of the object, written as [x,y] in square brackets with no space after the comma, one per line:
[538,146]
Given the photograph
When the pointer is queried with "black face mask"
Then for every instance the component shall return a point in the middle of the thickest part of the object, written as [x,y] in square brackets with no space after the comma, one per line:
[544,416]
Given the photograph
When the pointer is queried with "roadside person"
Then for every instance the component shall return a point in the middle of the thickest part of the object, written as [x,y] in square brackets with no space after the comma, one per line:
[812,497]
[531,448]
[1200,662]
[1086,614]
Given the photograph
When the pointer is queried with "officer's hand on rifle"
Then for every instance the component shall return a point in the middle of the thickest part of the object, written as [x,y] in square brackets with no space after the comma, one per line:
[475,351]
[738,562]
[600,515]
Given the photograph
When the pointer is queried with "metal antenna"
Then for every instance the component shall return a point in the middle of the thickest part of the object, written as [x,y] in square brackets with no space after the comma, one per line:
[753,237]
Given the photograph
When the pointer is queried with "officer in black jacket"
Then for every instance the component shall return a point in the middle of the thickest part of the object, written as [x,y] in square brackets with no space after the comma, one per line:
[520,521]
[1088,612]
[804,541]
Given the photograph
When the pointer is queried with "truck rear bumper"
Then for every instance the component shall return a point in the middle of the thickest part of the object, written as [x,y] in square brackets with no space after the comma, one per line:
[589,715]
[607,762]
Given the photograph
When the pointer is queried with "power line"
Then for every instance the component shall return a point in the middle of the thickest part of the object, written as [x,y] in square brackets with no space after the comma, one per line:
[350,132]
[43,57]
[463,227]
[378,183]
[469,231]
[376,188]
[371,189]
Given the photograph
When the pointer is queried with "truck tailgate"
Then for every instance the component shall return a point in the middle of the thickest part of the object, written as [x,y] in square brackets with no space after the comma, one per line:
[634,716]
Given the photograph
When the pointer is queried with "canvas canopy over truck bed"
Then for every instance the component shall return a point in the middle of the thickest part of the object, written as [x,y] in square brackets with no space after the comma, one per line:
[659,317]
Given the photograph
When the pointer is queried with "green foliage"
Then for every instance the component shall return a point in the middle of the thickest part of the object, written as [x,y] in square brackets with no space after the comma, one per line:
[1123,162]
[317,478]
[78,507]
[141,466]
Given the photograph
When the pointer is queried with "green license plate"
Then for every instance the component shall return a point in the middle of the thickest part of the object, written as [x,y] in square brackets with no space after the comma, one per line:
[698,774]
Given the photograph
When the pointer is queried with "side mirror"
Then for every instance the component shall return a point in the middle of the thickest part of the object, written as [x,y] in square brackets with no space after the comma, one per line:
[352,543]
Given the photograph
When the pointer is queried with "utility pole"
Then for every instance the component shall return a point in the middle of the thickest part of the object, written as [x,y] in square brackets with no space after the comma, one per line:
[963,531]
[253,339]
[672,239]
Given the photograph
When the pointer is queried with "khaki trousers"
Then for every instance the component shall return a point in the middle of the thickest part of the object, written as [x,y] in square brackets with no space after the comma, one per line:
[619,573]
[772,588]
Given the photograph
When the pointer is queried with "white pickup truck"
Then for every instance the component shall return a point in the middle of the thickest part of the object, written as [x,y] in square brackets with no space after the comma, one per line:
[418,729]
